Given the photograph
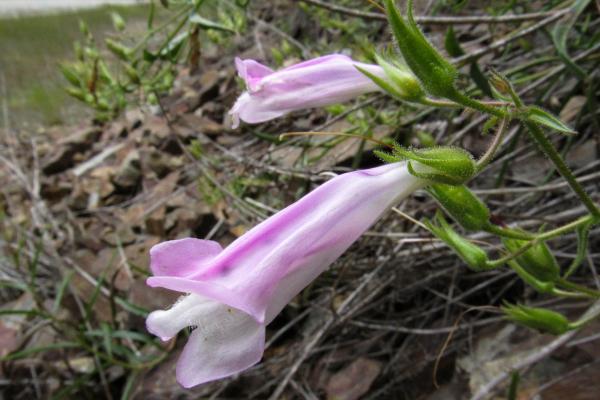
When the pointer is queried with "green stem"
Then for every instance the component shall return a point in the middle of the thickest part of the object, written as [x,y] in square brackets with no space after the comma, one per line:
[479,106]
[571,295]
[491,151]
[584,320]
[428,101]
[540,238]
[168,22]
[579,288]
[547,148]
[509,233]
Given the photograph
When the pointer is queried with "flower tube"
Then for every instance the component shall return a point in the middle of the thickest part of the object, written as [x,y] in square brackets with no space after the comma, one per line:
[314,83]
[233,293]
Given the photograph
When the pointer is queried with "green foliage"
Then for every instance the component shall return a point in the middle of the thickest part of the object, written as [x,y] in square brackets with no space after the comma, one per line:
[141,68]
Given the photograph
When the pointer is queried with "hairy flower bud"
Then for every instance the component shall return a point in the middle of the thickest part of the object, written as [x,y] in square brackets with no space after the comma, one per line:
[434,71]
[540,319]
[462,205]
[475,257]
[538,261]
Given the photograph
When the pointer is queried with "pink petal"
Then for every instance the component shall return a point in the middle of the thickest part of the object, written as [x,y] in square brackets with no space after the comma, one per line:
[251,72]
[182,257]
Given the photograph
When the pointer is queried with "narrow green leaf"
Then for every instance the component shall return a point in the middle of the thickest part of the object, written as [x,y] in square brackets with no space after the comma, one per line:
[34,350]
[480,79]
[204,23]
[451,43]
[151,14]
[561,33]
[543,117]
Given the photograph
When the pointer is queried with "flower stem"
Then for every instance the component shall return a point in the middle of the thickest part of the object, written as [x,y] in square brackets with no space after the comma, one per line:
[547,148]
[491,151]
[491,108]
[509,233]
[542,237]
[578,288]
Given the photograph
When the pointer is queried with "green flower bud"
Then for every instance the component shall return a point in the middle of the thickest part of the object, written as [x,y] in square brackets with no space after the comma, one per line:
[118,21]
[537,285]
[538,261]
[448,165]
[462,205]
[118,49]
[470,253]
[540,319]
[132,73]
[70,74]
[434,71]
[80,94]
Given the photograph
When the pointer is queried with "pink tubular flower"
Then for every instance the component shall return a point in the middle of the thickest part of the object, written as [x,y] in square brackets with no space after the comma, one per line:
[232,294]
[314,83]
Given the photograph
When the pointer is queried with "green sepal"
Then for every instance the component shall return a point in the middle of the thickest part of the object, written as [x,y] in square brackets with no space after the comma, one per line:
[538,260]
[462,205]
[405,82]
[475,257]
[540,319]
[386,157]
[382,83]
[436,73]
[448,165]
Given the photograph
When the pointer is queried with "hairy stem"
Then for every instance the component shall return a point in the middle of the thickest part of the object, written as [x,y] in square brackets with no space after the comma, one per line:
[547,148]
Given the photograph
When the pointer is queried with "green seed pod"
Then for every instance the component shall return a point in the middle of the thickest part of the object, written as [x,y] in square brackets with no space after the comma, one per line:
[475,257]
[462,205]
[435,72]
[540,319]
[538,261]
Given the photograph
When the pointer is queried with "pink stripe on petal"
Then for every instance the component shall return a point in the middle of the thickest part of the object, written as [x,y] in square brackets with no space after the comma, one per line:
[182,257]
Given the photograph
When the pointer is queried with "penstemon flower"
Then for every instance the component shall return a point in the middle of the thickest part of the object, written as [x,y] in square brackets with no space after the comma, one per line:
[314,83]
[233,293]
